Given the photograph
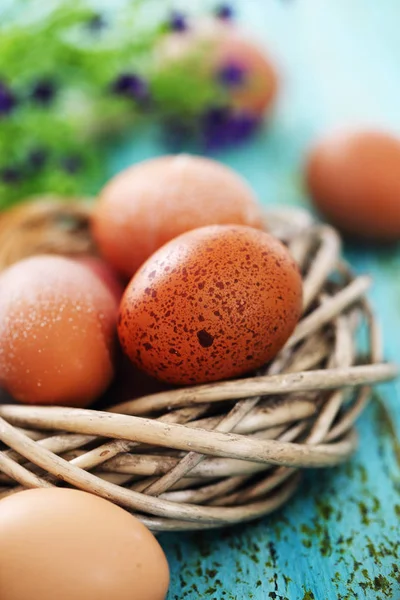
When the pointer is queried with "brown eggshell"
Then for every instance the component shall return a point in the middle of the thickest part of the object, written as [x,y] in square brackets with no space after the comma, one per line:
[210,45]
[106,274]
[152,202]
[69,545]
[354,180]
[57,328]
[211,304]
[257,93]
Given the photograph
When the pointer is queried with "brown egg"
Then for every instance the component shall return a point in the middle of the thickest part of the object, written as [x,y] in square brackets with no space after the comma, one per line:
[148,204]
[257,90]
[211,304]
[57,328]
[353,179]
[106,274]
[60,544]
[212,46]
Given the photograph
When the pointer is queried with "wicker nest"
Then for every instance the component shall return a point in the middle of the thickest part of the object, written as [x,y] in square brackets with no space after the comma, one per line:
[216,454]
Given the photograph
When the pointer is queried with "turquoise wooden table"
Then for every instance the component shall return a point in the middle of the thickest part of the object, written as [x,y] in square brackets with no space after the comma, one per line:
[338,539]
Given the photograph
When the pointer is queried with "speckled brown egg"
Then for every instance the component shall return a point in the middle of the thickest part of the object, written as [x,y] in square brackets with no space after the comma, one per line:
[211,304]
[152,202]
[57,330]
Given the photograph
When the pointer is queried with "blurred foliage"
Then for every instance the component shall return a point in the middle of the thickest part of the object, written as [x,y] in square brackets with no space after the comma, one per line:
[73,78]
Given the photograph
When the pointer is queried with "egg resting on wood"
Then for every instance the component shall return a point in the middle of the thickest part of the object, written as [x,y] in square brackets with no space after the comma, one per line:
[354,180]
[152,202]
[211,304]
[57,330]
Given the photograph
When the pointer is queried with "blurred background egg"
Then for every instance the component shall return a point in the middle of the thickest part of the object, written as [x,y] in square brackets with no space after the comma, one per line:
[69,545]
[57,324]
[211,304]
[224,53]
[152,202]
[353,177]
[245,69]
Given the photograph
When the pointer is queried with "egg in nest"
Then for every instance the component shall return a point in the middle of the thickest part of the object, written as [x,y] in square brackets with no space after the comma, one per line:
[152,202]
[211,304]
[57,330]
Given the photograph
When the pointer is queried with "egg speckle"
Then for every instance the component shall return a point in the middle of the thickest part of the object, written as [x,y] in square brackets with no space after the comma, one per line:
[70,545]
[211,304]
[353,179]
[57,323]
[148,204]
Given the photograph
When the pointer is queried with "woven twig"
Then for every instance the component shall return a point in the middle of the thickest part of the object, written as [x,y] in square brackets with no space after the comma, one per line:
[47,225]
[226,452]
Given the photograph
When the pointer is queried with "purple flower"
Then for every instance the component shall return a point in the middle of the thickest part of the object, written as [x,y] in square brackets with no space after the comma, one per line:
[10,175]
[132,86]
[43,91]
[177,22]
[222,127]
[96,23]
[231,75]
[71,164]
[37,158]
[7,99]
[224,12]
